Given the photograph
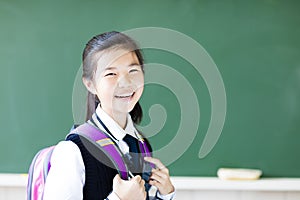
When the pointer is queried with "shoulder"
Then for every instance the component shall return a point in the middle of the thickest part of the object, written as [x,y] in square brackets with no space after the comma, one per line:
[66,147]
[66,177]
[66,152]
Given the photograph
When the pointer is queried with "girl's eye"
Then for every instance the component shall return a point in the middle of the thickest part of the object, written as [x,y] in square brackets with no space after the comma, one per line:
[133,70]
[110,74]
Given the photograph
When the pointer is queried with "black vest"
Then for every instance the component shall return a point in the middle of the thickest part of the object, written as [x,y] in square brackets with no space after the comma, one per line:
[98,176]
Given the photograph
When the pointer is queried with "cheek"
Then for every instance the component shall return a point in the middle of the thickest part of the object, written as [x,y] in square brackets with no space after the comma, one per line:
[105,89]
[139,81]
[140,87]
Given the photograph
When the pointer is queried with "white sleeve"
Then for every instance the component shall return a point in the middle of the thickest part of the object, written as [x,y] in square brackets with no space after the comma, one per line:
[66,177]
[165,197]
[112,196]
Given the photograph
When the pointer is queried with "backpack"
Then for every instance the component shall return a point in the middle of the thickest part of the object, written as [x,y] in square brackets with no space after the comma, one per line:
[90,136]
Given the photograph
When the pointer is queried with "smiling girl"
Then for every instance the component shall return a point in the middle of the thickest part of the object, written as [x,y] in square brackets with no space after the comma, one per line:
[113,74]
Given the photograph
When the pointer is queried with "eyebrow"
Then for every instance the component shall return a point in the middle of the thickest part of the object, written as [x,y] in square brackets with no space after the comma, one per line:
[130,65]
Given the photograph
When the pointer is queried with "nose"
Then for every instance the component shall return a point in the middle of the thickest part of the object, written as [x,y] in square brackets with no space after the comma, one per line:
[124,81]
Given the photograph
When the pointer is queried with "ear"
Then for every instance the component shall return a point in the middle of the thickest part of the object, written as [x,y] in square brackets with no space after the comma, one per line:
[89,85]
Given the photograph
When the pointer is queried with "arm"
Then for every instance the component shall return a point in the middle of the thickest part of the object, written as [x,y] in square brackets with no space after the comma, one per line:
[67,174]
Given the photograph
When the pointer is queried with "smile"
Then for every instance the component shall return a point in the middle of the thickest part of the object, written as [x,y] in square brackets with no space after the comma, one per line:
[125,96]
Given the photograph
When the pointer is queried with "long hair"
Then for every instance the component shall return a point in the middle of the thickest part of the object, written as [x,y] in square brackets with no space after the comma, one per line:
[108,41]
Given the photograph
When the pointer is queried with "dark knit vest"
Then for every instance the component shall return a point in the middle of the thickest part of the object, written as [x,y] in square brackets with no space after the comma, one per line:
[98,176]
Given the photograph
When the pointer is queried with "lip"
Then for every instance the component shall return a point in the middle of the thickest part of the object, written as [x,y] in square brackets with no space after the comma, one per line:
[125,97]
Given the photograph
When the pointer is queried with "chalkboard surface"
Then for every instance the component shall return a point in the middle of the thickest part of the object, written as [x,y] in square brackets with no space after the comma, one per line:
[254,44]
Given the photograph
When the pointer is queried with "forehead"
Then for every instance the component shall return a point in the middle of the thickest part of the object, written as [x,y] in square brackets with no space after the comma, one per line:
[115,58]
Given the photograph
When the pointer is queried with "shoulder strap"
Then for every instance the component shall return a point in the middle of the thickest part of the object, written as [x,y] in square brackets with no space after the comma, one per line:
[105,144]
[144,148]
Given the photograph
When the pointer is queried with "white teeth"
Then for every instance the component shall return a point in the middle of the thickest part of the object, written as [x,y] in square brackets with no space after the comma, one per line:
[124,96]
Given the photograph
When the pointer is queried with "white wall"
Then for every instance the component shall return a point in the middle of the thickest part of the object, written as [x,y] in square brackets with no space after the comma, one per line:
[13,187]
[216,189]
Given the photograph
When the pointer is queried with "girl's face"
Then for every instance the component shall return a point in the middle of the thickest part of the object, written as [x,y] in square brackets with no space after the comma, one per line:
[118,81]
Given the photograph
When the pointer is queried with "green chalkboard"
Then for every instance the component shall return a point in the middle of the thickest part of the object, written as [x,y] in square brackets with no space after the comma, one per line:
[254,45]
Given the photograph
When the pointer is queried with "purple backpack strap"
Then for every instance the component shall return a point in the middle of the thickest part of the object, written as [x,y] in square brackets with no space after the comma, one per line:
[104,143]
[145,150]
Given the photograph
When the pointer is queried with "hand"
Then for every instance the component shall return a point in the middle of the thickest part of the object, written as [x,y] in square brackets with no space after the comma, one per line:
[132,189]
[160,177]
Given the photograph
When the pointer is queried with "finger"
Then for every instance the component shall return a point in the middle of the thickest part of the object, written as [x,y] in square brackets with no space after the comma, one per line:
[160,173]
[137,178]
[142,183]
[155,161]
[159,177]
[117,178]
[164,186]
[155,183]
[164,170]
[144,194]
[155,177]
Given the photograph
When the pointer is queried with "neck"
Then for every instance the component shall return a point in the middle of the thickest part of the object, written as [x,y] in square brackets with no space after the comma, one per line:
[120,118]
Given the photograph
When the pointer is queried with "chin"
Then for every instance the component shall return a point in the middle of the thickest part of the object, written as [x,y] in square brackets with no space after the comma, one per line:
[126,109]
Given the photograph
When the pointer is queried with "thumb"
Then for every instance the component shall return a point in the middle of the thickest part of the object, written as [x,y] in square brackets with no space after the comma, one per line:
[137,178]
[117,178]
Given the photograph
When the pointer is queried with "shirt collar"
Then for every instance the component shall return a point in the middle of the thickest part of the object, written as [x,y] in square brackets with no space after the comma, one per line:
[117,131]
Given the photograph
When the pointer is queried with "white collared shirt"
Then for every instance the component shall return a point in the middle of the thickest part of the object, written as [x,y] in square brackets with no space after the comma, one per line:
[115,129]
[66,178]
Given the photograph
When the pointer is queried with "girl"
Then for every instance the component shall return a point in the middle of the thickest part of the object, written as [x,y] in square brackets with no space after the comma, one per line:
[114,77]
